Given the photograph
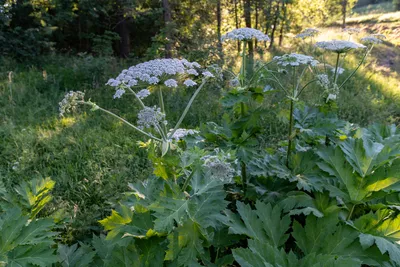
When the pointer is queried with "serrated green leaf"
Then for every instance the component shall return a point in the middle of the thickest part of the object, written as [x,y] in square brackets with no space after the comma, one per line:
[74,257]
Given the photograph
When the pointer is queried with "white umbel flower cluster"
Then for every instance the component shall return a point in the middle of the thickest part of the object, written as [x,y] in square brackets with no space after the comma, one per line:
[373,39]
[295,60]
[352,31]
[70,102]
[158,71]
[189,83]
[119,93]
[310,32]
[150,117]
[245,34]
[218,168]
[182,133]
[323,80]
[142,94]
[339,46]
[339,70]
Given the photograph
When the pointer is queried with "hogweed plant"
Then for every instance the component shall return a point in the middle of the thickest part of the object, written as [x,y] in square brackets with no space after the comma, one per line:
[155,76]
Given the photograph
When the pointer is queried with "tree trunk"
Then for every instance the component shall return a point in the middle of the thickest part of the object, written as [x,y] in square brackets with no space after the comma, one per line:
[344,11]
[267,14]
[247,18]
[237,23]
[221,55]
[256,21]
[124,44]
[283,23]
[274,25]
[167,22]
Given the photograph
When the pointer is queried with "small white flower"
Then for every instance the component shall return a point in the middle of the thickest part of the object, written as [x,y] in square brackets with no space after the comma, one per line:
[153,80]
[295,60]
[132,82]
[245,34]
[218,168]
[339,46]
[208,74]
[182,133]
[189,83]
[119,93]
[323,81]
[331,97]
[352,30]
[15,166]
[268,88]
[339,70]
[142,94]
[234,82]
[310,32]
[192,72]
[70,102]
[371,39]
[171,83]
[113,82]
[150,117]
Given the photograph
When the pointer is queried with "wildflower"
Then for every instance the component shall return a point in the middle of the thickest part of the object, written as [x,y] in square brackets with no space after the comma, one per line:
[310,32]
[351,31]
[218,168]
[70,102]
[150,117]
[189,83]
[339,46]
[245,34]
[268,88]
[182,133]
[371,39]
[155,72]
[113,82]
[339,70]
[15,166]
[379,36]
[331,97]
[119,93]
[193,72]
[153,80]
[323,80]
[171,83]
[142,94]
[234,82]
[208,74]
[295,60]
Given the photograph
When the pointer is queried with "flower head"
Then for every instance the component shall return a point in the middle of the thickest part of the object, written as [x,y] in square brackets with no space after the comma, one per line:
[339,70]
[208,74]
[155,72]
[295,60]
[352,31]
[182,133]
[189,83]
[323,80]
[339,46]
[119,93]
[142,94]
[218,168]
[70,102]
[245,34]
[150,117]
[171,83]
[373,39]
[310,32]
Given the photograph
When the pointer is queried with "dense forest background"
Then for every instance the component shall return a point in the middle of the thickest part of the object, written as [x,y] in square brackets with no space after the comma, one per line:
[154,28]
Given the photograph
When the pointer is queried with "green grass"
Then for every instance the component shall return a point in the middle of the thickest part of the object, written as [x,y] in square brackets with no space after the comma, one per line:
[380,8]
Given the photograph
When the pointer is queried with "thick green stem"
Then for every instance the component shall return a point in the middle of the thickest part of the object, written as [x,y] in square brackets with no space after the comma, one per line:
[336,68]
[359,65]
[187,109]
[243,69]
[244,177]
[351,212]
[185,185]
[161,100]
[289,148]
